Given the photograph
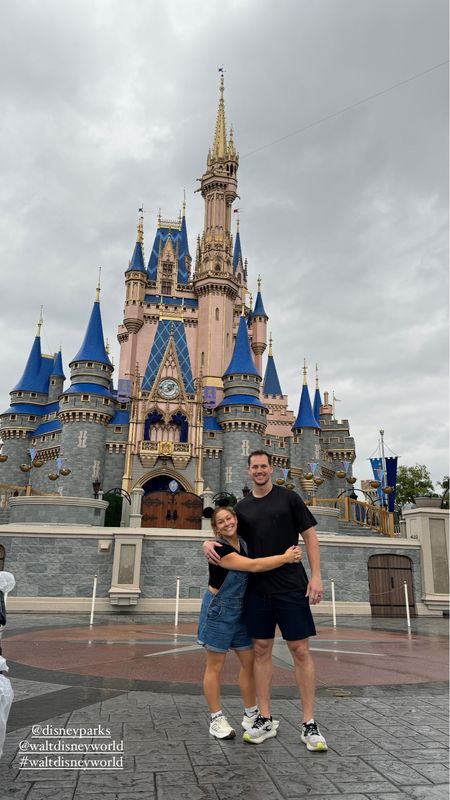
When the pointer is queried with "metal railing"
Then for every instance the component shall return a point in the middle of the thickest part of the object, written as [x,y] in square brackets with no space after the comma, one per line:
[359,513]
[8,490]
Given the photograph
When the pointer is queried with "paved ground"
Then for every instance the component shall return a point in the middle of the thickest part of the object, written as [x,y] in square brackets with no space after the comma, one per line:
[134,682]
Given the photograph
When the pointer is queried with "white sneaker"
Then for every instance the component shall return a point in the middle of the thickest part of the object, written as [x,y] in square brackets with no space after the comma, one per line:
[220,728]
[247,722]
[312,737]
[261,730]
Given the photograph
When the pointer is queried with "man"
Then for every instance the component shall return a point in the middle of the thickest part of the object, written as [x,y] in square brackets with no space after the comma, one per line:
[270,520]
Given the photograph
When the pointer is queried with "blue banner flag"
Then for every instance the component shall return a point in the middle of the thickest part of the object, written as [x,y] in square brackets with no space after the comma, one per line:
[388,478]
[210,397]
[123,390]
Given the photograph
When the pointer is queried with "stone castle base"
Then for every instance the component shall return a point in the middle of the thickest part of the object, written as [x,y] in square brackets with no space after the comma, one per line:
[137,568]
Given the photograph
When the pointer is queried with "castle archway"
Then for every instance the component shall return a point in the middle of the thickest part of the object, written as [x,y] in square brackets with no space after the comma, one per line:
[167,504]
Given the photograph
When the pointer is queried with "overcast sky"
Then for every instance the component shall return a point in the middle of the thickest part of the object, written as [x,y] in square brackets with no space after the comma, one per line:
[106,105]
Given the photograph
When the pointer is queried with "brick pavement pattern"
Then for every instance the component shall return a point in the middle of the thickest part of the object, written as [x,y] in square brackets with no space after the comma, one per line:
[386,742]
[389,744]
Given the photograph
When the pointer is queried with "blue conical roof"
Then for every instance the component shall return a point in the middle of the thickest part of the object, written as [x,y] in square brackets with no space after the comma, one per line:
[30,379]
[137,259]
[317,404]
[305,416]
[242,360]
[237,255]
[93,347]
[57,371]
[258,310]
[271,384]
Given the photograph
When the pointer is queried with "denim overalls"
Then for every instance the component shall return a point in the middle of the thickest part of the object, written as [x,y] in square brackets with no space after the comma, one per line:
[221,625]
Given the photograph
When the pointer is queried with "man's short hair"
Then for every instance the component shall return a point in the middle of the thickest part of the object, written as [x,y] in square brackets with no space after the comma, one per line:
[260,453]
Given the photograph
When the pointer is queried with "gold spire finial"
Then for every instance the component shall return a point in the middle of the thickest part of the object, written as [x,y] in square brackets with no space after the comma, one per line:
[40,322]
[140,229]
[317,376]
[305,371]
[107,346]
[251,301]
[159,216]
[259,283]
[238,223]
[97,291]
[219,148]
[270,344]
[184,202]
[231,147]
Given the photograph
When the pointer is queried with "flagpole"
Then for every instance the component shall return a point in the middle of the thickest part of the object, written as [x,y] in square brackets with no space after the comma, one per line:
[383,462]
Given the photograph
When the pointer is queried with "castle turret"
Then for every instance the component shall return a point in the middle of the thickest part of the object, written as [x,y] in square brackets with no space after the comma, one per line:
[215,282]
[133,314]
[86,408]
[57,379]
[271,384]
[259,328]
[305,446]
[28,404]
[317,406]
[280,419]
[241,414]
[239,265]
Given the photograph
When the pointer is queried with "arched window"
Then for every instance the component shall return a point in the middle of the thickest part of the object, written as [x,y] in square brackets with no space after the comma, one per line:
[153,419]
[2,557]
[217,314]
[202,359]
[181,421]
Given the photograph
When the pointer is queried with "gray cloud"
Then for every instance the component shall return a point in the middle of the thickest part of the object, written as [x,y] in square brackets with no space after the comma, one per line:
[108,105]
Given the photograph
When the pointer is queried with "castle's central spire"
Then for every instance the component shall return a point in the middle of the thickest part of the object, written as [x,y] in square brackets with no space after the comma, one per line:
[219,148]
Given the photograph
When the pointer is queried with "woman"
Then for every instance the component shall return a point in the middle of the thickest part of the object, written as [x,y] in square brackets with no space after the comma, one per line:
[221,624]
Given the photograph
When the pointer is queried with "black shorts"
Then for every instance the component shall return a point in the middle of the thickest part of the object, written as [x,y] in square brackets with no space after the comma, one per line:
[290,611]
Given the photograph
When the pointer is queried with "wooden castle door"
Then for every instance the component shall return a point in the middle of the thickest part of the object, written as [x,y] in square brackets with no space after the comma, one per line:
[387,574]
[165,509]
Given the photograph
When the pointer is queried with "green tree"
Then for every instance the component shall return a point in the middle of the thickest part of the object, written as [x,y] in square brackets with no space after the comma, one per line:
[444,486]
[412,482]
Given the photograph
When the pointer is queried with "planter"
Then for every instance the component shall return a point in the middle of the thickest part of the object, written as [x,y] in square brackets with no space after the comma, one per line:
[428,502]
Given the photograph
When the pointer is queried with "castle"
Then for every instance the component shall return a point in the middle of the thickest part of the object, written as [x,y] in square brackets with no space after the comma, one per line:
[193,396]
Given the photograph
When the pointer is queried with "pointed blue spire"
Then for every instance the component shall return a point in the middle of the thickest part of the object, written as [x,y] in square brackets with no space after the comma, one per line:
[58,371]
[259,310]
[271,384]
[183,273]
[137,259]
[237,255]
[30,378]
[305,416]
[242,360]
[93,347]
[37,369]
[184,236]
[317,398]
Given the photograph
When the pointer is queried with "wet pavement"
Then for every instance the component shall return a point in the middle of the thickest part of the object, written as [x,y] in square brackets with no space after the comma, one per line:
[115,711]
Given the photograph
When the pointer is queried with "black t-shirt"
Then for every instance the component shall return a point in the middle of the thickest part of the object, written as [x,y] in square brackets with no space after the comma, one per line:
[269,525]
[217,574]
